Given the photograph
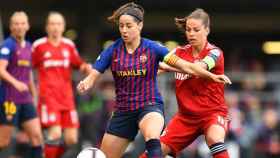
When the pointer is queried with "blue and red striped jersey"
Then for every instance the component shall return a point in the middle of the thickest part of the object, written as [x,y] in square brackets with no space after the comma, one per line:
[135,74]
[19,66]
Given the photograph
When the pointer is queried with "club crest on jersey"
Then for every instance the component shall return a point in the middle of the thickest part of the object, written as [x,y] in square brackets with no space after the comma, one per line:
[47,54]
[116,60]
[65,53]
[143,58]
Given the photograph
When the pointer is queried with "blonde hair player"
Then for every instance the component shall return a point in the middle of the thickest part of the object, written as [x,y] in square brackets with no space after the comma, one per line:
[17,90]
[55,57]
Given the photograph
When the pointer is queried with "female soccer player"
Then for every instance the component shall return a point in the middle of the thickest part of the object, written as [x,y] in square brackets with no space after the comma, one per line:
[17,88]
[55,57]
[134,63]
[202,108]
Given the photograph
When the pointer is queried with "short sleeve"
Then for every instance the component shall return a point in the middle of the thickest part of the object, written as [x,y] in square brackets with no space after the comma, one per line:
[103,61]
[160,50]
[35,56]
[212,58]
[6,49]
[75,58]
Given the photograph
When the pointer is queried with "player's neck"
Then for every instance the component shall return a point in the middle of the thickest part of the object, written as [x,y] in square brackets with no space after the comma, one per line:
[198,49]
[19,40]
[54,40]
[132,46]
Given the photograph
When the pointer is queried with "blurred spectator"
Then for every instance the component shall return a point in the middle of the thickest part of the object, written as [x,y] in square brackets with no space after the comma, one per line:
[268,139]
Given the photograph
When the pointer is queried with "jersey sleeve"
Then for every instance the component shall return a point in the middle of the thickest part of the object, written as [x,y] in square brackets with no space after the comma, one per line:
[211,59]
[160,50]
[75,58]
[35,56]
[6,50]
[103,61]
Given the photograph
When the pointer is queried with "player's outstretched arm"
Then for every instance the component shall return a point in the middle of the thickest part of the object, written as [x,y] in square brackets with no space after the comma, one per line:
[166,68]
[85,68]
[88,82]
[194,69]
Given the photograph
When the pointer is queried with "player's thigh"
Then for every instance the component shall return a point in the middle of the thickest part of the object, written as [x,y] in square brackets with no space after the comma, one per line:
[70,124]
[33,129]
[5,135]
[179,133]
[70,135]
[113,146]
[216,129]
[151,123]
[31,124]
[9,114]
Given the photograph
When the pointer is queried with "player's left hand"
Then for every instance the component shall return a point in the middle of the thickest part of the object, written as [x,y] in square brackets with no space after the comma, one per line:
[222,79]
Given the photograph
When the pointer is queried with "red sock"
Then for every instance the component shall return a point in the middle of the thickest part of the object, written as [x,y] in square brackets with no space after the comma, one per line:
[53,151]
[144,155]
[223,154]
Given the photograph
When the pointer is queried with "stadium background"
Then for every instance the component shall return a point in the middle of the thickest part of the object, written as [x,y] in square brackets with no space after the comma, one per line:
[242,29]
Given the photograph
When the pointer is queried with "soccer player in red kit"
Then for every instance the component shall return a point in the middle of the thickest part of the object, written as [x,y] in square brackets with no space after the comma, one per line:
[202,108]
[54,57]
[133,61]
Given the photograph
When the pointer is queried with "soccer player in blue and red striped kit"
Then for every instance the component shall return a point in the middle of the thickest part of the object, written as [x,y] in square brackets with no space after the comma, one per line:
[134,62]
[17,89]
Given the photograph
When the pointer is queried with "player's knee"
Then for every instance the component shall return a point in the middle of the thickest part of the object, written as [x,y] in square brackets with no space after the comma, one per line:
[151,135]
[54,134]
[215,134]
[212,139]
[4,143]
[71,140]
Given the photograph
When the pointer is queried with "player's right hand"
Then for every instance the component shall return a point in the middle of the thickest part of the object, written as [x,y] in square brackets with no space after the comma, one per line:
[222,79]
[84,85]
[21,87]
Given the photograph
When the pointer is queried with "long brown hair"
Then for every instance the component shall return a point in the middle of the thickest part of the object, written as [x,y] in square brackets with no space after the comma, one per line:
[196,14]
[132,9]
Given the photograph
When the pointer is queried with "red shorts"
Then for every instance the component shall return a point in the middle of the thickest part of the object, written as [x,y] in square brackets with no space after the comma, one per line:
[64,118]
[183,130]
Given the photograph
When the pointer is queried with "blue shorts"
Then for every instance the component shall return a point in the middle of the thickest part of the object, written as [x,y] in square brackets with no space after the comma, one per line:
[125,124]
[12,114]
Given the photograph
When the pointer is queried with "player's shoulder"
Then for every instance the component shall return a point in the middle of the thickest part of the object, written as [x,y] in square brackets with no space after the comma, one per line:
[183,49]
[8,46]
[68,41]
[9,41]
[40,41]
[213,49]
[151,44]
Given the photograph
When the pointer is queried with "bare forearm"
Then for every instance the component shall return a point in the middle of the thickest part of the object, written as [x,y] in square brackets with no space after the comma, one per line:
[85,68]
[6,76]
[200,71]
[93,76]
[31,86]
[166,68]
[193,69]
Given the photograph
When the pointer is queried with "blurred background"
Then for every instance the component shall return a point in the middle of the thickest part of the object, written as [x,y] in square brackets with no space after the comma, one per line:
[247,31]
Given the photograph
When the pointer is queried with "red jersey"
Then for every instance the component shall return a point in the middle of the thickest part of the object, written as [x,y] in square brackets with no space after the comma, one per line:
[54,65]
[198,96]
